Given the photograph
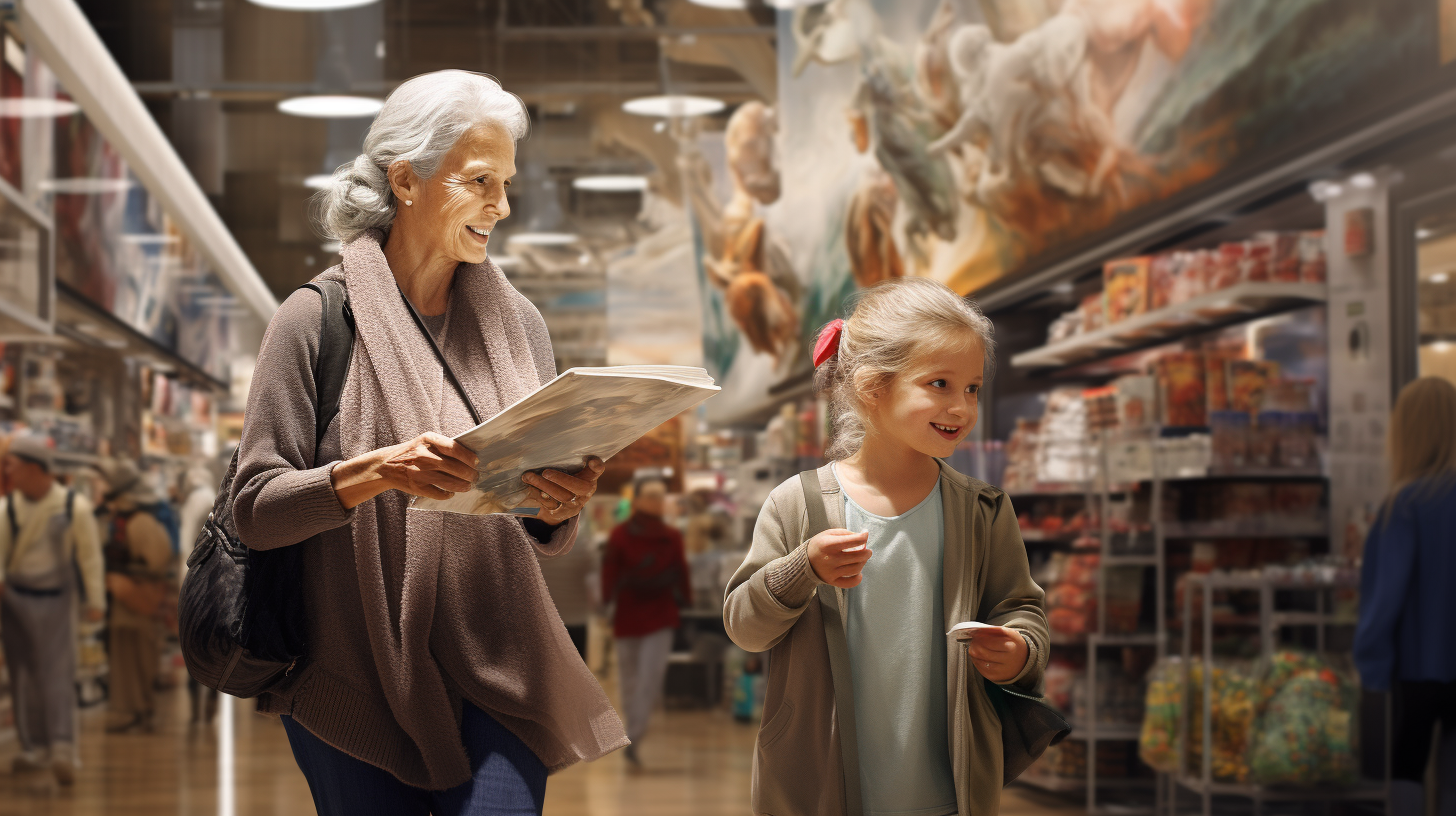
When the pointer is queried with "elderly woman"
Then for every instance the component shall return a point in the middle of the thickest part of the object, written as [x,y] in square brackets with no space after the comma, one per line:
[438,676]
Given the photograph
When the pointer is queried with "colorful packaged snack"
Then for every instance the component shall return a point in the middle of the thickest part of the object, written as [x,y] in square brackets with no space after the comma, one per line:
[1181,381]
[1125,288]
[1247,382]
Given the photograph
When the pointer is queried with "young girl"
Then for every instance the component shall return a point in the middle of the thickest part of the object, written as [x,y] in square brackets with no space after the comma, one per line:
[870,707]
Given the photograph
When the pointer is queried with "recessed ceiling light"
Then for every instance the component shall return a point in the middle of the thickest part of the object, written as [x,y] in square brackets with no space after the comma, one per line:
[1325,190]
[148,239]
[332,106]
[312,5]
[319,181]
[35,107]
[1423,233]
[506,261]
[82,185]
[1363,181]
[1440,277]
[544,238]
[331,246]
[673,106]
[722,4]
[611,184]
[1440,347]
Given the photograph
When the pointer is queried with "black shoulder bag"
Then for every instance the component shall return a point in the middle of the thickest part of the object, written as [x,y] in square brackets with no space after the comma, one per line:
[241,613]
[1028,725]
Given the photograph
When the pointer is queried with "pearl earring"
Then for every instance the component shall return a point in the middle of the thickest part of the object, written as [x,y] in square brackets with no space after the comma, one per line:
[409,202]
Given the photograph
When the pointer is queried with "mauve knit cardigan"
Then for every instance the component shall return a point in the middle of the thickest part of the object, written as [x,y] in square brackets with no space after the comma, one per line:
[283,495]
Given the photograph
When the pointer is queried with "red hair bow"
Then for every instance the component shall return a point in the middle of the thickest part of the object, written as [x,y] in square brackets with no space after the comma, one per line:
[828,343]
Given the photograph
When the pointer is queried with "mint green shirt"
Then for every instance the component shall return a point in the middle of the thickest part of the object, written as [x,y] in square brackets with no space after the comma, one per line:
[897,653]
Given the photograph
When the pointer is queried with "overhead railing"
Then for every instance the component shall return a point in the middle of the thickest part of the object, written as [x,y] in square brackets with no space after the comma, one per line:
[64,38]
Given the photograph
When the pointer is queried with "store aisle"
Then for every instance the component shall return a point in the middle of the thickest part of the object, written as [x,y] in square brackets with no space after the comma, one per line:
[696,762]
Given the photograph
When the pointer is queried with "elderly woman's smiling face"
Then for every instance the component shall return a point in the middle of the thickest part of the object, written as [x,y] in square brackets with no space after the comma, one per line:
[460,204]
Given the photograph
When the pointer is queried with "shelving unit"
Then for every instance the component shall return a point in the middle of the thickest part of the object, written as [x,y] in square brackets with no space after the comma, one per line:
[1235,304]
[1270,623]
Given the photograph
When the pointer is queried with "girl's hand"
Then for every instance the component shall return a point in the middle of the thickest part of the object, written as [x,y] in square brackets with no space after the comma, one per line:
[838,556]
[560,495]
[999,654]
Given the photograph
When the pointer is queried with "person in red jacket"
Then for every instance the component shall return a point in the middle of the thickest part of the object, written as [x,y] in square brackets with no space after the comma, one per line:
[645,573]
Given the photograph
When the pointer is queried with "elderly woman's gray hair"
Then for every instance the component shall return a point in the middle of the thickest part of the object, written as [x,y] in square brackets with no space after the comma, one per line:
[421,120]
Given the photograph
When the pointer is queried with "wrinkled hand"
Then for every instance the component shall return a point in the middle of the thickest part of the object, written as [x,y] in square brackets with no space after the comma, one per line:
[838,556]
[431,465]
[999,654]
[562,495]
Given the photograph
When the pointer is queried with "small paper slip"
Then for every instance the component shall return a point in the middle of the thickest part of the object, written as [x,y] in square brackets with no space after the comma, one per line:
[963,630]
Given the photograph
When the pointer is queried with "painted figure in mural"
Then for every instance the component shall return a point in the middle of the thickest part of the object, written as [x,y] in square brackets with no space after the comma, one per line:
[887,116]
[758,284]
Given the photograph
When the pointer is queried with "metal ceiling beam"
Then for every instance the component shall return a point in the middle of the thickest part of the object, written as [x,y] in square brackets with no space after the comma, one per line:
[63,37]
[273,91]
[521,33]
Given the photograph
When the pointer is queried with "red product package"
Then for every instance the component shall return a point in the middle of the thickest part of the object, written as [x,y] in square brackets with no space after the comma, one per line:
[1227,269]
[1215,383]
[1125,288]
[1312,256]
[1258,258]
[1163,280]
[1285,265]
[1183,387]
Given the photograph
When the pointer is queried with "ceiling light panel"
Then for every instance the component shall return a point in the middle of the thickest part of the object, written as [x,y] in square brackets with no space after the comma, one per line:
[611,184]
[674,106]
[332,106]
[312,5]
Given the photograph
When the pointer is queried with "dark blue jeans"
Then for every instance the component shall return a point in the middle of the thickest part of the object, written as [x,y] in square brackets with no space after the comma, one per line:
[507,778]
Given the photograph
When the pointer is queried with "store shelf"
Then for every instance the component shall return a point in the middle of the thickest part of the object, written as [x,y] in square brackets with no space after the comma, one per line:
[1131,639]
[1054,784]
[1322,793]
[1130,560]
[1311,619]
[1258,474]
[1249,528]
[1232,305]
[1106,732]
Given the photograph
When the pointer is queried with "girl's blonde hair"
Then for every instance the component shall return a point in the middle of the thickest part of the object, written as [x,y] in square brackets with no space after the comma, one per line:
[1422,433]
[891,322]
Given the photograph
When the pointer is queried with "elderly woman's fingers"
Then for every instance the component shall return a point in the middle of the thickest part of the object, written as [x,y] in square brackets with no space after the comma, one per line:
[559,486]
[450,448]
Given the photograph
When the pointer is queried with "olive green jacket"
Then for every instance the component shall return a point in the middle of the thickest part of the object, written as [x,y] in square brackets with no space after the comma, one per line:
[806,760]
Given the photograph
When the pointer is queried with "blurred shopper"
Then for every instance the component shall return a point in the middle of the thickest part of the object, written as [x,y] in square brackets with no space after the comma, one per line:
[566,577]
[196,495]
[1406,639]
[140,575]
[47,538]
[645,575]
[438,678]
[903,375]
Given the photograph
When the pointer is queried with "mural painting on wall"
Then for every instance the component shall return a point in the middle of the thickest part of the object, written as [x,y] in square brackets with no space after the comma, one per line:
[967,140]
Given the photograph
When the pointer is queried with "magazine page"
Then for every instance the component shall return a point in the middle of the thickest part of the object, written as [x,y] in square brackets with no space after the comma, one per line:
[583,412]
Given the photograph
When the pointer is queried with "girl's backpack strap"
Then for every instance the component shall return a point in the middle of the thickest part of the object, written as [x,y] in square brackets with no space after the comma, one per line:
[839,668]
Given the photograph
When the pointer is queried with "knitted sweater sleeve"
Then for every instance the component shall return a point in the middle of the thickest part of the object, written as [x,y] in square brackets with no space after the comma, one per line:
[281,496]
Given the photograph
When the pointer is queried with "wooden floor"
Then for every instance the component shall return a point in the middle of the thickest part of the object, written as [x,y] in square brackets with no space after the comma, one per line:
[696,762]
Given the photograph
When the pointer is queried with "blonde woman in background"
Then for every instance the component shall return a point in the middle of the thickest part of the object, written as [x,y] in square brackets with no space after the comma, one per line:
[1406,639]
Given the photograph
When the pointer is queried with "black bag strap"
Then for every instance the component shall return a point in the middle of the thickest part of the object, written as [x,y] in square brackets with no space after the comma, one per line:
[838,652]
[440,354]
[10,516]
[336,349]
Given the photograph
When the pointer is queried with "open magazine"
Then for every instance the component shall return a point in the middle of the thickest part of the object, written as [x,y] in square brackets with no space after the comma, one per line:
[583,412]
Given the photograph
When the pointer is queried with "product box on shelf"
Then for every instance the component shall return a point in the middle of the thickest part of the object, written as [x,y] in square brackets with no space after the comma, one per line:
[1247,382]
[1125,288]
[1312,256]
[1181,384]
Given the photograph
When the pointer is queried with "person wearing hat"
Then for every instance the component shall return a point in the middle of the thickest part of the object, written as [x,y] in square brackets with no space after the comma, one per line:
[139,574]
[46,534]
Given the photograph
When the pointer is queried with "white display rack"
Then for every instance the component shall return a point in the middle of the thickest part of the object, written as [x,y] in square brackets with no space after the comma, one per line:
[1232,305]
[1271,622]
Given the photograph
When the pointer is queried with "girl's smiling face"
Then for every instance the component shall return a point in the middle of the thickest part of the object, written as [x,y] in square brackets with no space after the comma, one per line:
[934,403]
